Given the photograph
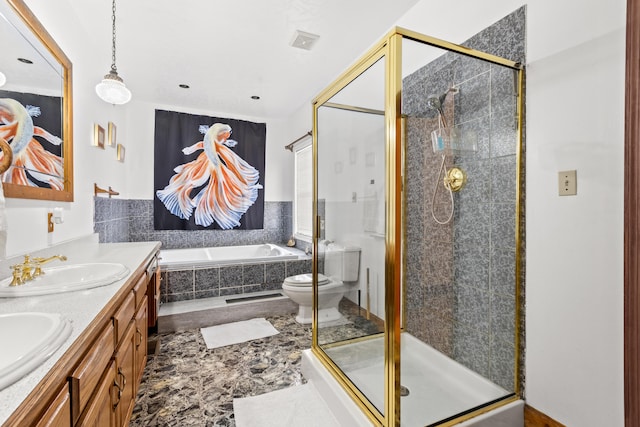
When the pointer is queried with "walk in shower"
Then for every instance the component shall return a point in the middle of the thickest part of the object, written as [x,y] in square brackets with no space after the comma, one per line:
[417,152]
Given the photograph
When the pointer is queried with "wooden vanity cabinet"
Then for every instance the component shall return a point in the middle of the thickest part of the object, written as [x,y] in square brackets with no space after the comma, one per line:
[113,399]
[95,383]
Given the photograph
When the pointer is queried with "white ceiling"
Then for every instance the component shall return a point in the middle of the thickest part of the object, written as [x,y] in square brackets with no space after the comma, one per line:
[227,51]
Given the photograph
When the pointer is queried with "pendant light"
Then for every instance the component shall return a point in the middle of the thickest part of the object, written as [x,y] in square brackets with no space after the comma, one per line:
[112,89]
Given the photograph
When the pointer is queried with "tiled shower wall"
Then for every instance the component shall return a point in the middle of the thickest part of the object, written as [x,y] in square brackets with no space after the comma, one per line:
[460,277]
[121,220]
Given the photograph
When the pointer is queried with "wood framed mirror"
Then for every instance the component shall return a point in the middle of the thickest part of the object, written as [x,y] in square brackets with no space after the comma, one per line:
[35,108]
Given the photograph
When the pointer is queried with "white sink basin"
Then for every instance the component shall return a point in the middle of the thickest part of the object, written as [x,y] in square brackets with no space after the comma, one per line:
[28,339]
[66,278]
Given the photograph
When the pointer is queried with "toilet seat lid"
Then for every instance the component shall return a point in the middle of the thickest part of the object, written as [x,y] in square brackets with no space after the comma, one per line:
[305,280]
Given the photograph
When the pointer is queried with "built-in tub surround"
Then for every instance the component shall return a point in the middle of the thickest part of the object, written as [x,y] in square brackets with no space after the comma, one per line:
[460,276]
[122,220]
[208,278]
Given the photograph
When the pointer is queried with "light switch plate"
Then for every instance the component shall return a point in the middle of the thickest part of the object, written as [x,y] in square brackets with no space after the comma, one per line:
[567,183]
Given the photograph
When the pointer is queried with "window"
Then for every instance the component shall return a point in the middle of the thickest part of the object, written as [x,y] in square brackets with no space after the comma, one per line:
[303,201]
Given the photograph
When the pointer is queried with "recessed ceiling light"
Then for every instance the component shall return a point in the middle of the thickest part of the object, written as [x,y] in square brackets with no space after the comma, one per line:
[3,78]
[25,60]
[304,40]
[184,86]
[255,97]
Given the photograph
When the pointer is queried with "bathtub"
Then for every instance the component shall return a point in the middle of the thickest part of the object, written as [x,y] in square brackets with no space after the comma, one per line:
[438,386]
[227,271]
[183,259]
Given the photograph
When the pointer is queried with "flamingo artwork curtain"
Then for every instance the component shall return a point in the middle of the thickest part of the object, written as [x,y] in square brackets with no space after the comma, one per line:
[208,172]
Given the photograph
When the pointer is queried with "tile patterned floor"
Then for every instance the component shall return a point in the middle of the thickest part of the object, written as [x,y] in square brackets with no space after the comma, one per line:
[186,384]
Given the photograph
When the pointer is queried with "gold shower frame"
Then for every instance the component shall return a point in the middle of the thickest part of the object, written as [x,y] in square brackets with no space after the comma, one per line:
[390,47]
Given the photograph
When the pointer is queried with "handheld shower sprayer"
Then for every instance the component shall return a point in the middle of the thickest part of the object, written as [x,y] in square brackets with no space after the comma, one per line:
[454,178]
[435,103]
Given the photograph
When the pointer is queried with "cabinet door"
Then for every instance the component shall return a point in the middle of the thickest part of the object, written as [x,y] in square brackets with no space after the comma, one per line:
[85,377]
[59,412]
[125,369]
[101,410]
[154,298]
[141,342]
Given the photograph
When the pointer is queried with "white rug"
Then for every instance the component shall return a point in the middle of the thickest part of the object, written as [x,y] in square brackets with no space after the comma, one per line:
[237,332]
[297,406]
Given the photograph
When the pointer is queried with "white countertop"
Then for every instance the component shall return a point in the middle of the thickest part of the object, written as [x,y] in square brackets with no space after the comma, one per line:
[80,307]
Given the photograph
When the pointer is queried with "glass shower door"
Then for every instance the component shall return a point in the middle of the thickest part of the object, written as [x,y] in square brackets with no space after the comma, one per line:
[350,155]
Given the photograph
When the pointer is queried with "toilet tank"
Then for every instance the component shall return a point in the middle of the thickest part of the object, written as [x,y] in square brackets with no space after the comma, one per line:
[342,262]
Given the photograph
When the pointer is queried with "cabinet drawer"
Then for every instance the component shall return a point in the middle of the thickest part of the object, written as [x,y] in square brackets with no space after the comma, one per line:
[59,412]
[100,411]
[86,376]
[140,289]
[123,316]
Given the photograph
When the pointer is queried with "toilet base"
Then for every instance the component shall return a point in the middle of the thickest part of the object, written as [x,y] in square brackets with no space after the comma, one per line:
[305,315]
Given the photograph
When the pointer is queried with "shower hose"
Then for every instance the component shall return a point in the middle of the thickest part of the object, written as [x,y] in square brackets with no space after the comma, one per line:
[435,190]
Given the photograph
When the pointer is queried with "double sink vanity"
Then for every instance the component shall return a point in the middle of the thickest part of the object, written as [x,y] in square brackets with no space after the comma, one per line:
[75,338]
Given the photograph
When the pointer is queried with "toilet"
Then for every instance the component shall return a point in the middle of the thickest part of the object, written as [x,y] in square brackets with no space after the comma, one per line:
[341,267]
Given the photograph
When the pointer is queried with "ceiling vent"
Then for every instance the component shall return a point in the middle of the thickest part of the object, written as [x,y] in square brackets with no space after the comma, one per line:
[303,40]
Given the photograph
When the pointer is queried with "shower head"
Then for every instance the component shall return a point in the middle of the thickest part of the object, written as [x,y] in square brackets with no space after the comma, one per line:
[434,102]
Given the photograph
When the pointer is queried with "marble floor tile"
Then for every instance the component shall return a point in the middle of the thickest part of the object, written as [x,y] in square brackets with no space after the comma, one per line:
[186,384]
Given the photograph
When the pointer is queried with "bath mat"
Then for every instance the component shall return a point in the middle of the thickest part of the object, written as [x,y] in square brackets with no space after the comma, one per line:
[237,332]
[290,407]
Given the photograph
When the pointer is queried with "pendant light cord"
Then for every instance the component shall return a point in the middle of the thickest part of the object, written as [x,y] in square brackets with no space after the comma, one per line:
[113,37]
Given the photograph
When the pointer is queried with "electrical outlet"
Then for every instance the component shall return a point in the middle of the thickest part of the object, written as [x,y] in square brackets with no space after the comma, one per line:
[567,183]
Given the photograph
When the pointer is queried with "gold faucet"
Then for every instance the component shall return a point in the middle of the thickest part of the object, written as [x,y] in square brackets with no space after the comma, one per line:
[17,278]
[29,269]
[42,261]
[22,272]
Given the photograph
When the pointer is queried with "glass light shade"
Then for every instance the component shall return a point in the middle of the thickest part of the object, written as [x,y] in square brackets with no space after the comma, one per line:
[3,78]
[112,90]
